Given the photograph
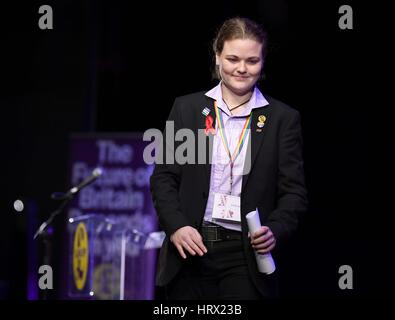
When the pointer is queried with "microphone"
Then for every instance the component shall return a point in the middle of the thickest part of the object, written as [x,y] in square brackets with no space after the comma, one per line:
[67,197]
[96,173]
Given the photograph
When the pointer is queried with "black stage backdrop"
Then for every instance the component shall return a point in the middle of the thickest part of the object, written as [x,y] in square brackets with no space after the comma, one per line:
[116,66]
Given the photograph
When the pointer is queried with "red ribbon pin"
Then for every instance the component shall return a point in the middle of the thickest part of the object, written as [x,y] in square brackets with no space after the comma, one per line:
[209,125]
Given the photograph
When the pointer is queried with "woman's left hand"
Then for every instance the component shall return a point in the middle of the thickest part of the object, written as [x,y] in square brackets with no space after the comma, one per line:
[263,241]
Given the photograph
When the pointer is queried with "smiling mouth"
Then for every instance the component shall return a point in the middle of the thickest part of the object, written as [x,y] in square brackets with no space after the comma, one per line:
[240,77]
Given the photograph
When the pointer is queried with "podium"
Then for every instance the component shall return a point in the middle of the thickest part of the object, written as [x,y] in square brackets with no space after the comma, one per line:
[109,261]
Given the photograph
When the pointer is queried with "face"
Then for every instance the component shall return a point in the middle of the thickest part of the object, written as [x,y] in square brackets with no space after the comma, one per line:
[240,64]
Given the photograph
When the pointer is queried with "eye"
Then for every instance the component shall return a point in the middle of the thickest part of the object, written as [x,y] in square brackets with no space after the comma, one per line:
[253,62]
[233,60]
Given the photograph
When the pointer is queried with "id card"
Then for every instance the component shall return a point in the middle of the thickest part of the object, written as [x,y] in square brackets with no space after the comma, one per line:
[226,207]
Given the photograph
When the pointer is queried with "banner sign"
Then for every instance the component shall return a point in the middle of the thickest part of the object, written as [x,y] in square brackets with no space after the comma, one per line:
[117,213]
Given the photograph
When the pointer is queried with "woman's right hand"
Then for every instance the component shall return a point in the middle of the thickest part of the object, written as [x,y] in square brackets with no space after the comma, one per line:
[188,238]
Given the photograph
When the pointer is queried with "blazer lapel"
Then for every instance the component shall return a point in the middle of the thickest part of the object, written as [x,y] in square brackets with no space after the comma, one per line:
[208,138]
[256,139]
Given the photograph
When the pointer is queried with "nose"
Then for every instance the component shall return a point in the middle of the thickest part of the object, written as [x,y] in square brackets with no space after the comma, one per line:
[242,67]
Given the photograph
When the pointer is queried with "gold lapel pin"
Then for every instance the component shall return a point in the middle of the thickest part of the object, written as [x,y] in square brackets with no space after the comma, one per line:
[261,118]
[261,121]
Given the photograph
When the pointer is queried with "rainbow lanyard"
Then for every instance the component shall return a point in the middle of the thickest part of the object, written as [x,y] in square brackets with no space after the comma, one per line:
[243,134]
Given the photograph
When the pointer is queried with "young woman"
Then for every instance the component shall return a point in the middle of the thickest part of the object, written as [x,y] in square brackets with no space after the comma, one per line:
[255,164]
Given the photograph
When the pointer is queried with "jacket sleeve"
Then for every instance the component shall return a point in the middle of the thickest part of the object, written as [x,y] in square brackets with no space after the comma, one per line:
[165,180]
[291,190]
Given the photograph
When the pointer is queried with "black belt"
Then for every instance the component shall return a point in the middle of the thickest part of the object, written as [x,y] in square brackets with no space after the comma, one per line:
[212,232]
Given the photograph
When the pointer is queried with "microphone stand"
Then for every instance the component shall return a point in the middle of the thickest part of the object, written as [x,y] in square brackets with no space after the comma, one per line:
[67,197]
[43,228]
[44,232]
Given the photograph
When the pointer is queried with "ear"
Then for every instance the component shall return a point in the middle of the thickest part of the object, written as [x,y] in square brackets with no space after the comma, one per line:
[217,59]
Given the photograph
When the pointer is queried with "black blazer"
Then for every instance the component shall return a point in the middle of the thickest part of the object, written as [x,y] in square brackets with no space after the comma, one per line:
[275,184]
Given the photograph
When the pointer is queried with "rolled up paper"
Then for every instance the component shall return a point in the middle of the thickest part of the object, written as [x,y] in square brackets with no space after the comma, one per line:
[265,261]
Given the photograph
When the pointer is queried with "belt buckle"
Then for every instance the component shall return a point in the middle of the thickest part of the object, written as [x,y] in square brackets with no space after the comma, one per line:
[212,232]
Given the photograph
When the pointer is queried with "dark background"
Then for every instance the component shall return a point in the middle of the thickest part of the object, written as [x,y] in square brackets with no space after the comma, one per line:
[116,66]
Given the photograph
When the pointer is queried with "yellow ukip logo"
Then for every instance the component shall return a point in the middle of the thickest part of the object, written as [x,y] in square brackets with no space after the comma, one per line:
[80,256]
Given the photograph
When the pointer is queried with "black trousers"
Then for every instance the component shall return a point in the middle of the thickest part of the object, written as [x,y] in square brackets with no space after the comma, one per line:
[221,273]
